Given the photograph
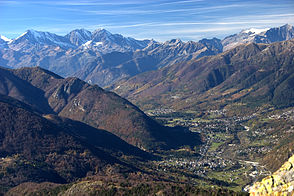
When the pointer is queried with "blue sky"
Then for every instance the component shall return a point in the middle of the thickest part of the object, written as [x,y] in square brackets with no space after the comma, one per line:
[158,19]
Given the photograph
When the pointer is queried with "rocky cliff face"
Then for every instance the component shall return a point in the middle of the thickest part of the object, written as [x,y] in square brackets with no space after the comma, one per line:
[279,183]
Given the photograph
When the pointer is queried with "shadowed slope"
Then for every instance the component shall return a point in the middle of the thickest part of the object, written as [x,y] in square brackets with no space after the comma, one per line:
[77,100]
[55,149]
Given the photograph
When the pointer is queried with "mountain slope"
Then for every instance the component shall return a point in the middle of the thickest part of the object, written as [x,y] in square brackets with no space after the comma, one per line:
[13,86]
[50,148]
[77,100]
[248,73]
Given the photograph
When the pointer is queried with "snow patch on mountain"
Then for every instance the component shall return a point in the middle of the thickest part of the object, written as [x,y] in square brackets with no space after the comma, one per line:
[255,31]
[98,43]
[266,35]
[5,38]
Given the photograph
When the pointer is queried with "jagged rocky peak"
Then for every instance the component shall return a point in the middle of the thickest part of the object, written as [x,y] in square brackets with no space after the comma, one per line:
[285,32]
[102,38]
[99,33]
[174,42]
[213,44]
[79,36]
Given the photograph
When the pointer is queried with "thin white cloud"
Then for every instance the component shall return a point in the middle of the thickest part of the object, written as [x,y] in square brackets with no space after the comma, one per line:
[186,11]
[259,17]
[178,2]
[189,20]
[197,30]
[75,3]
[99,2]
[244,20]
[7,2]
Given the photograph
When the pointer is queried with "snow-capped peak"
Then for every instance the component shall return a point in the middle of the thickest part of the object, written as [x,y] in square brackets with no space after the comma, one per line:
[81,33]
[36,34]
[39,37]
[21,35]
[255,31]
[33,33]
[5,38]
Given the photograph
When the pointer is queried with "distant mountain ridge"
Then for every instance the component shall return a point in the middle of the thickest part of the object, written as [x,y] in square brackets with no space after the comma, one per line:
[250,73]
[114,66]
[99,57]
[102,40]
[34,38]
[103,58]
[267,36]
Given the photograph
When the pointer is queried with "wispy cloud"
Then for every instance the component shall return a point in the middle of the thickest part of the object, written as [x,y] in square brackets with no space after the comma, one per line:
[178,2]
[99,2]
[77,3]
[158,19]
[197,30]
[187,11]
[8,2]
[244,20]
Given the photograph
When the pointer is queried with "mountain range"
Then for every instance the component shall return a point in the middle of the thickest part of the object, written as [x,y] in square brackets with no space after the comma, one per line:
[103,58]
[246,73]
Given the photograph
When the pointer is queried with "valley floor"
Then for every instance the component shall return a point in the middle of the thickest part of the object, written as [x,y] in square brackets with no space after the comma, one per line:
[235,150]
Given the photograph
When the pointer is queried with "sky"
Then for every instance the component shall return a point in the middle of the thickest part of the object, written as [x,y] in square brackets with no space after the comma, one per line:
[145,19]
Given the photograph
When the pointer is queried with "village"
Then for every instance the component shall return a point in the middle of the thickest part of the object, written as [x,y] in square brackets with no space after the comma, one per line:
[221,156]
